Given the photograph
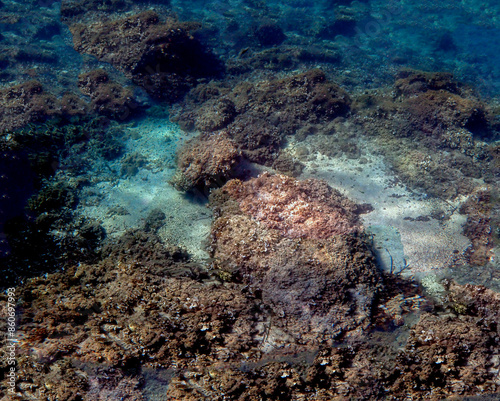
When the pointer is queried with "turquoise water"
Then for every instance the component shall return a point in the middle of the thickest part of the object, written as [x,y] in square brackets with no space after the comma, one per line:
[250,200]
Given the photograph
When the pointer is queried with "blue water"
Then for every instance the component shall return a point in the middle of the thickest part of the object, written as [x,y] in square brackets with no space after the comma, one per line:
[462,38]
[72,184]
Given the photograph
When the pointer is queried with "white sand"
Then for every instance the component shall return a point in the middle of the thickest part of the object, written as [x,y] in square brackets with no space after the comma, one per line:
[424,245]
[187,223]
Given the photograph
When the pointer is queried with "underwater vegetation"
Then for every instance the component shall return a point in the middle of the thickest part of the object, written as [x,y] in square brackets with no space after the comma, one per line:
[205,161]
[259,116]
[194,198]
[161,57]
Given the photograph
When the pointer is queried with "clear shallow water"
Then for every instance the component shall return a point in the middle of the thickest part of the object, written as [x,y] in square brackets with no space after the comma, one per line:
[135,288]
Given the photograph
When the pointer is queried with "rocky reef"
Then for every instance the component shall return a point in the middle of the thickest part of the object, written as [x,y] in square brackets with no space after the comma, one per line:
[436,103]
[107,97]
[32,103]
[26,103]
[160,56]
[259,116]
[482,225]
[281,318]
[454,354]
[205,162]
[297,209]
[439,137]
[295,243]
[295,114]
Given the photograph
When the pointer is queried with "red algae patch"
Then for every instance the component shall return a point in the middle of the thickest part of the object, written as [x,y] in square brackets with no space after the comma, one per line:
[298,209]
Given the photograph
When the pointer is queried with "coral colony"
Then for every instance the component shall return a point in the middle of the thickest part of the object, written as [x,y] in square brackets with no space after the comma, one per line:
[249,200]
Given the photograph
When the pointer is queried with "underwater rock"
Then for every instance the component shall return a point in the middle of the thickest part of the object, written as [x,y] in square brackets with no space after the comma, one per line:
[287,164]
[73,106]
[448,355]
[435,102]
[483,216]
[146,314]
[205,161]
[107,97]
[269,35]
[216,114]
[297,209]
[29,102]
[161,57]
[436,111]
[26,103]
[412,82]
[72,9]
[142,304]
[267,111]
[434,131]
[282,58]
[295,243]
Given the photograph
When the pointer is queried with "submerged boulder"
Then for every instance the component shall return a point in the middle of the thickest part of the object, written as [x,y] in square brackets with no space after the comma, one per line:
[296,243]
[160,56]
[26,103]
[108,97]
[261,114]
[204,162]
[436,103]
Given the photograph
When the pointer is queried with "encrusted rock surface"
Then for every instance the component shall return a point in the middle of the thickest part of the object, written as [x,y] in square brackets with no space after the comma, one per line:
[454,355]
[160,56]
[483,217]
[295,242]
[295,327]
[290,305]
[436,102]
[26,103]
[295,208]
[107,97]
[259,115]
[205,161]
[433,130]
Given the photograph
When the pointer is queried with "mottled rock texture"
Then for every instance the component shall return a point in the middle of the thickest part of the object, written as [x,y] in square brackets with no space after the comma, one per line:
[454,355]
[435,102]
[259,115]
[205,161]
[160,56]
[84,332]
[142,304]
[433,130]
[295,242]
[107,97]
[483,217]
[32,103]
[26,103]
[295,208]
